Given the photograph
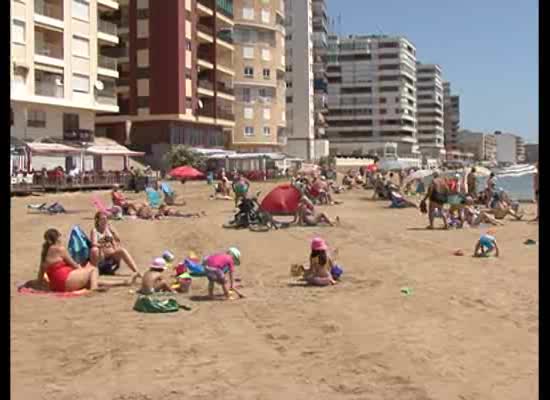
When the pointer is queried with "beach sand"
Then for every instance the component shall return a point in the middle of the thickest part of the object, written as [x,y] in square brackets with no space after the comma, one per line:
[468,331]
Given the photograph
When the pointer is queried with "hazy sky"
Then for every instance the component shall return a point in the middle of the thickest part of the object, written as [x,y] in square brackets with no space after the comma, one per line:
[488,50]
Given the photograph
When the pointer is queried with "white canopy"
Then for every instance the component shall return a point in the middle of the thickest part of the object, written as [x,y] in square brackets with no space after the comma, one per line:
[113,150]
[52,149]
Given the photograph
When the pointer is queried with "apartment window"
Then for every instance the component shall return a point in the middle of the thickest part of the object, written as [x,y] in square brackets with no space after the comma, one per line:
[246,95]
[248,13]
[249,131]
[388,56]
[18,31]
[266,54]
[81,47]
[288,68]
[288,37]
[249,72]
[289,84]
[81,83]
[267,114]
[248,52]
[397,99]
[36,119]
[143,14]
[81,10]
[267,131]
[71,122]
[248,113]
[383,100]
[142,4]
[262,93]
[383,111]
[266,16]
[143,102]
[267,73]
[289,99]
[391,45]
[398,111]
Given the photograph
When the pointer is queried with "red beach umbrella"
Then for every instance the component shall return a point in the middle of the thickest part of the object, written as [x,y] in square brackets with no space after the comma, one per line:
[185,172]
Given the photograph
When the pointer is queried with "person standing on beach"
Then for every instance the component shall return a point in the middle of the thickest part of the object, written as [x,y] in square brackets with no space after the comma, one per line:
[472,183]
[437,194]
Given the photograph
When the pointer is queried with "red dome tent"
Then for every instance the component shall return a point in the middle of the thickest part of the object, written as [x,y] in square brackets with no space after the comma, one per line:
[283,200]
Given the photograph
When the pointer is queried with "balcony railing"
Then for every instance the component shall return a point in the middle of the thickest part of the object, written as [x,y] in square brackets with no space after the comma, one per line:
[204,29]
[207,3]
[107,27]
[206,85]
[50,89]
[108,98]
[48,9]
[223,114]
[48,49]
[222,87]
[226,36]
[107,62]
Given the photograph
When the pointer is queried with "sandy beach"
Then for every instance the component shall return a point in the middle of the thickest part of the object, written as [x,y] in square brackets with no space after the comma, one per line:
[468,331]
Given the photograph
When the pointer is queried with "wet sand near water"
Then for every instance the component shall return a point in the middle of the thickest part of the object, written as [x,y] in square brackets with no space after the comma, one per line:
[468,330]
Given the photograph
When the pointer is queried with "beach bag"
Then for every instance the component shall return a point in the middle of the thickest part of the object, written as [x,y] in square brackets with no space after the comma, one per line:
[194,268]
[79,245]
[152,305]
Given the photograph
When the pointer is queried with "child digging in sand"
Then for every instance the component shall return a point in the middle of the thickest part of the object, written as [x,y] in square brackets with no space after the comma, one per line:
[153,281]
[216,267]
[319,273]
[486,245]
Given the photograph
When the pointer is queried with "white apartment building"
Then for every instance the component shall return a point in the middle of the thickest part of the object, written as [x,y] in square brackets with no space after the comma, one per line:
[430,117]
[300,123]
[59,79]
[371,95]
[451,117]
[508,148]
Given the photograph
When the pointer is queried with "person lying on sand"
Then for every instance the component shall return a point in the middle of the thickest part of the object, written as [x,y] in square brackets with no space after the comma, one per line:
[153,280]
[319,272]
[349,180]
[64,274]
[500,208]
[216,266]
[106,245]
[306,214]
[474,216]
[165,211]
[485,246]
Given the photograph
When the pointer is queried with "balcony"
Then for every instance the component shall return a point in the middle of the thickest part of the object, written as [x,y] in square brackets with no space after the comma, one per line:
[206,3]
[50,9]
[226,36]
[50,89]
[205,84]
[107,62]
[225,88]
[107,27]
[48,49]
[207,30]
[224,114]
[106,97]
[225,7]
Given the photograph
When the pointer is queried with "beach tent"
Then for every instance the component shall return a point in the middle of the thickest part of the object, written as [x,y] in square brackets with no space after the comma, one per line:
[283,200]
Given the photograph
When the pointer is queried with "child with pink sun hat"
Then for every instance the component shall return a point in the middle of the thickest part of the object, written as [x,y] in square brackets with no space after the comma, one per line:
[319,273]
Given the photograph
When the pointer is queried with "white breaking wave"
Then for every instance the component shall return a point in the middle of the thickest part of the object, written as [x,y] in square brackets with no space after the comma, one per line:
[516,170]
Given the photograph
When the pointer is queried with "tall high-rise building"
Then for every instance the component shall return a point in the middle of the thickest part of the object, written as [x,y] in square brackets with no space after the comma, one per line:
[59,76]
[259,63]
[371,94]
[306,80]
[176,76]
[429,87]
[451,118]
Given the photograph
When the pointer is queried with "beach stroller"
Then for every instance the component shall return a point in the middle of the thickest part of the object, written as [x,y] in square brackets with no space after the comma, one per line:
[153,198]
[169,194]
[79,249]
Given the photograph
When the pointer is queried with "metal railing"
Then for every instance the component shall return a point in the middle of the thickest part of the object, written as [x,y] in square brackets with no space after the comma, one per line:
[222,87]
[207,3]
[48,49]
[107,27]
[48,9]
[107,98]
[204,29]
[206,84]
[107,62]
[49,89]
[225,36]
[223,114]
[225,7]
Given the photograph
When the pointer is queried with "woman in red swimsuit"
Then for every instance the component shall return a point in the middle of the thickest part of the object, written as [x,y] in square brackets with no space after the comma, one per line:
[64,274]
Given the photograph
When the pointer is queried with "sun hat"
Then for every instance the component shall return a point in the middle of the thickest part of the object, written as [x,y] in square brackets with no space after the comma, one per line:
[158,264]
[236,254]
[318,244]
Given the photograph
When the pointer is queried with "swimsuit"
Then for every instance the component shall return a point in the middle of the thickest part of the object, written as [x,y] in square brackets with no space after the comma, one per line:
[437,197]
[58,273]
[487,241]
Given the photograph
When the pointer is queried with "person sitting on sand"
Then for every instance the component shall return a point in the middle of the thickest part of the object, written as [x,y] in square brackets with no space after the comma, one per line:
[153,280]
[398,200]
[319,273]
[217,265]
[491,187]
[486,245]
[500,209]
[118,199]
[64,274]
[437,194]
[165,211]
[349,180]
[306,214]
[106,245]
[474,216]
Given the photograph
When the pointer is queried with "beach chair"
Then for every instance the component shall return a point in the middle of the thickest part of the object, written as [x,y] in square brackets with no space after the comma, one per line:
[169,194]
[153,198]
[112,213]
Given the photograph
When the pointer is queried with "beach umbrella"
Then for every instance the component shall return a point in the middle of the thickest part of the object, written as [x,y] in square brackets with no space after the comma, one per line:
[420,174]
[482,171]
[185,172]
[372,168]
[283,200]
